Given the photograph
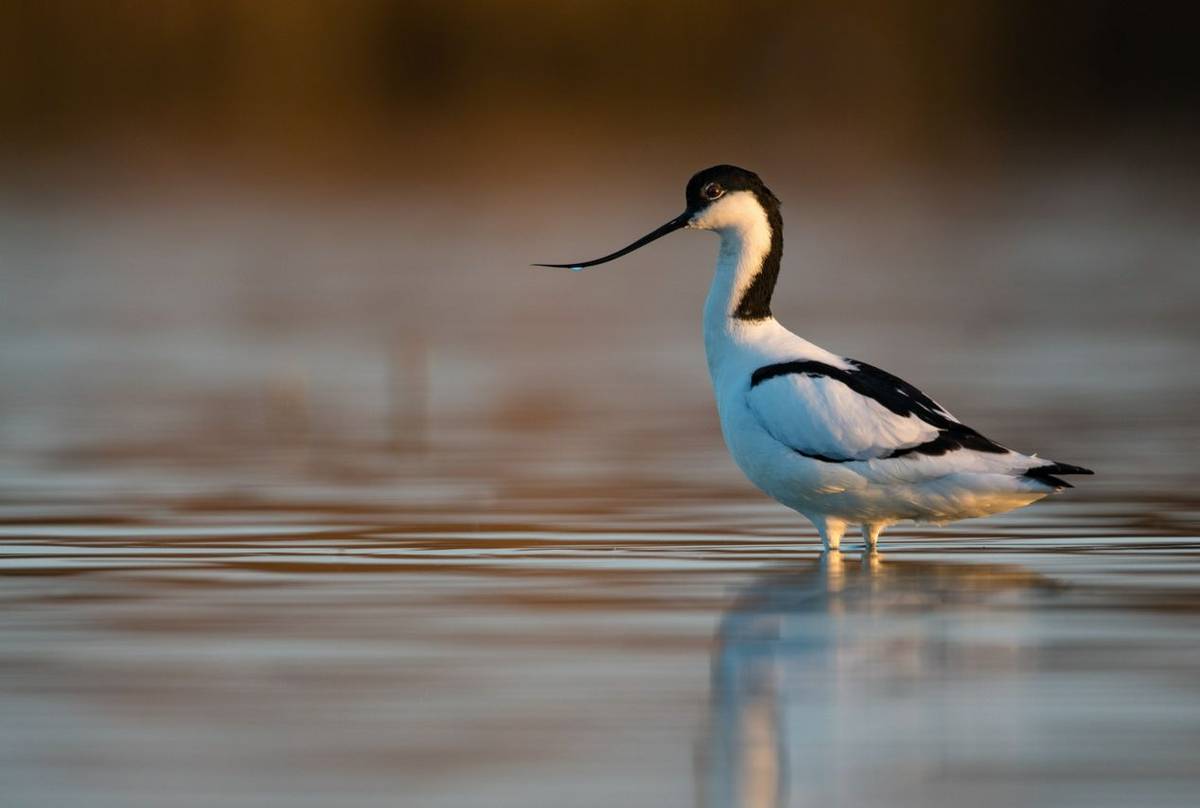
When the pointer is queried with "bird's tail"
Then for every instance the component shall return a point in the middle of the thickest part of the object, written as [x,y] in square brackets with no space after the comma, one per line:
[1046,472]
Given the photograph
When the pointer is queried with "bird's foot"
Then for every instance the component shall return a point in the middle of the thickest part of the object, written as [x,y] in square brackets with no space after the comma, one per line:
[870,534]
[831,531]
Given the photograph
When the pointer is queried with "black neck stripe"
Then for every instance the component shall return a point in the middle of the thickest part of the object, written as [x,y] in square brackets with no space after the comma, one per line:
[756,300]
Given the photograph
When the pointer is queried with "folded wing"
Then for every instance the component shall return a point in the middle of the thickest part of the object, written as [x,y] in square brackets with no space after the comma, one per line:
[854,413]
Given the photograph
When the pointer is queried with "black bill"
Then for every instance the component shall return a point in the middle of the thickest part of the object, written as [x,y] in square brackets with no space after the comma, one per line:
[678,223]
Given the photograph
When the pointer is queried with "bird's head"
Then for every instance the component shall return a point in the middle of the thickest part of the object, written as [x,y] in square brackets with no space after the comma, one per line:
[725,197]
[720,198]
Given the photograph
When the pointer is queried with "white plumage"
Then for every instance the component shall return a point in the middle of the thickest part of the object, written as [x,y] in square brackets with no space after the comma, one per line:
[817,446]
[837,440]
[820,415]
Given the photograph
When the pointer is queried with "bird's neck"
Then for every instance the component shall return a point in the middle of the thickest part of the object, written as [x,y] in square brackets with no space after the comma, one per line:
[739,299]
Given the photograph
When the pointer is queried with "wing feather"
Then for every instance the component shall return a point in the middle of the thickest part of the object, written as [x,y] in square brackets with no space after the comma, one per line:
[841,415]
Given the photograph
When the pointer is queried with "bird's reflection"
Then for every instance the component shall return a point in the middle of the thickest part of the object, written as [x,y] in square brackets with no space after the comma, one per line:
[823,671]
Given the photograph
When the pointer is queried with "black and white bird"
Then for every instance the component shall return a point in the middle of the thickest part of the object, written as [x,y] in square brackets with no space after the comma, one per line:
[835,439]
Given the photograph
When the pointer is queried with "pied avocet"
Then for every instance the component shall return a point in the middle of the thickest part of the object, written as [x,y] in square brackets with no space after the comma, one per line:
[835,439]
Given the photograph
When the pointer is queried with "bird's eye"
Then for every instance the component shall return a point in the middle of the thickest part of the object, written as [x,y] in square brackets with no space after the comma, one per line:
[712,191]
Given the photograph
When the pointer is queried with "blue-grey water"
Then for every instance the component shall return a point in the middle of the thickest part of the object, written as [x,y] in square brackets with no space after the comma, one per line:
[329,504]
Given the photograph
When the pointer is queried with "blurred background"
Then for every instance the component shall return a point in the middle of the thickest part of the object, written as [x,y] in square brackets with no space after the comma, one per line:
[271,194]
[319,215]
[264,276]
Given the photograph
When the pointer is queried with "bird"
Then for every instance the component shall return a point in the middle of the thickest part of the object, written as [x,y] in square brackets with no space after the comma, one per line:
[837,440]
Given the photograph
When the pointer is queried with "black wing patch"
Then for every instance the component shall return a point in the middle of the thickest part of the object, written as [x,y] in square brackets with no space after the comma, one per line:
[897,396]
[1045,474]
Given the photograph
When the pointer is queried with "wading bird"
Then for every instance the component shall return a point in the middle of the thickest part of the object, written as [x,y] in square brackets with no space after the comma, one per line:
[835,439]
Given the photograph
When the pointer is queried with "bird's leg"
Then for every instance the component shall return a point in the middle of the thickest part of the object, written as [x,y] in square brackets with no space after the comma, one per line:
[831,531]
[870,534]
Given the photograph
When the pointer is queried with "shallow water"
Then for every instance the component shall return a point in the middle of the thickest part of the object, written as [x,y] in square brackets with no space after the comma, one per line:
[270,537]
[641,644]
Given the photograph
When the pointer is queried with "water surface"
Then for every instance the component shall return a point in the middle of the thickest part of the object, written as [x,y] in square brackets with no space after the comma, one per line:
[316,506]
